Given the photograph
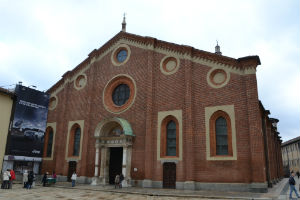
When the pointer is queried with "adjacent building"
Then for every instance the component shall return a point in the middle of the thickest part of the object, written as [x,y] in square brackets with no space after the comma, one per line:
[6,104]
[291,155]
[165,115]
[24,140]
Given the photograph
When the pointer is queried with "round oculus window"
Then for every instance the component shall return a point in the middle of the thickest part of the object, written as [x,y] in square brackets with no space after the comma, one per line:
[121,94]
[121,55]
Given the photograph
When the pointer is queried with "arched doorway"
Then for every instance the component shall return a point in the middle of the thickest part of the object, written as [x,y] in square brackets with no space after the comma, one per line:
[114,140]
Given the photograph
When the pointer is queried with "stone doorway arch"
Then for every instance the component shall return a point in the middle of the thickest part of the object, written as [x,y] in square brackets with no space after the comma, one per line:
[112,132]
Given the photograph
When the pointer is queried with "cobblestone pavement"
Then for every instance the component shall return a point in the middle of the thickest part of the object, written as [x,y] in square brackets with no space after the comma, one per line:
[47,193]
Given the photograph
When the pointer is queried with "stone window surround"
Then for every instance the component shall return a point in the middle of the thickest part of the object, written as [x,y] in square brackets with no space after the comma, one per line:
[53,127]
[109,88]
[56,102]
[162,64]
[71,124]
[209,112]
[75,80]
[120,47]
[212,71]
[162,115]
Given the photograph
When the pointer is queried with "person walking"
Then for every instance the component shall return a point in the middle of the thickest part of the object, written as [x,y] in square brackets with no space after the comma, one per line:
[298,174]
[73,178]
[12,177]
[25,178]
[117,181]
[6,177]
[292,183]
[30,180]
[44,179]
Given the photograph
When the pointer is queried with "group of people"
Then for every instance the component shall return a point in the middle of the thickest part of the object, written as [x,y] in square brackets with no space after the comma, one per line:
[8,177]
[118,180]
[28,179]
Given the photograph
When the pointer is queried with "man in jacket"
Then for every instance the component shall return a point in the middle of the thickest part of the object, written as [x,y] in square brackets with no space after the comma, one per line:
[292,185]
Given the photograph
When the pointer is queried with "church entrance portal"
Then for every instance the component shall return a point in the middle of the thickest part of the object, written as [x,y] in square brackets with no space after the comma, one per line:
[115,163]
[114,138]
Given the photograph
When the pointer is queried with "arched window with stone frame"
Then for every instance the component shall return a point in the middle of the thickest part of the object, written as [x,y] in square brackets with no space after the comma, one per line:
[169,137]
[74,141]
[220,134]
[48,142]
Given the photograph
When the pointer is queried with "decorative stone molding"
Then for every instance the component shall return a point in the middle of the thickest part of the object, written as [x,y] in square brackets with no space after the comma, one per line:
[114,54]
[169,65]
[209,111]
[70,125]
[53,101]
[218,78]
[108,92]
[80,81]
[53,126]
[161,116]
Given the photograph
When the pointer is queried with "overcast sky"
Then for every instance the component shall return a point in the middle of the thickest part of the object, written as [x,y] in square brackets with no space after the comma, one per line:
[41,40]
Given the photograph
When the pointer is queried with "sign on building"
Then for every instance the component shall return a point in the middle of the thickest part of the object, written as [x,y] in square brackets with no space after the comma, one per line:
[26,136]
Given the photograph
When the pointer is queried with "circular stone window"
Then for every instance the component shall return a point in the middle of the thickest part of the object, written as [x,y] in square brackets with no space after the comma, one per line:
[80,81]
[52,102]
[120,55]
[217,78]
[169,65]
[119,94]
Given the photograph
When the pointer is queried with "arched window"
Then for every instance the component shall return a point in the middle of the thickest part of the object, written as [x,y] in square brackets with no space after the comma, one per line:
[171,138]
[220,134]
[221,137]
[76,146]
[48,142]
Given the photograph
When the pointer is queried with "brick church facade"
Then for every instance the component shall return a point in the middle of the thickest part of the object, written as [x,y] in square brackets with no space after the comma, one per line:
[164,115]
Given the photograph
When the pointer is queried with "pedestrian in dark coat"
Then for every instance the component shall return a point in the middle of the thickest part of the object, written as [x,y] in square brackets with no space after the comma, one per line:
[30,180]
[44,179]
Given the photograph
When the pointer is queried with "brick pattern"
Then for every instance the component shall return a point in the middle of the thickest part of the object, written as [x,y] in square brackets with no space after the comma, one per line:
[185,90]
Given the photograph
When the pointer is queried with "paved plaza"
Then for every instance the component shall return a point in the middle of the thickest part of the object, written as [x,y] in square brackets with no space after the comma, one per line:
[64,191]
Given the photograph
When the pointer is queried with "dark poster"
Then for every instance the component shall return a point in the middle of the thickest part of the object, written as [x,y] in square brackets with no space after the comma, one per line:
[26,136]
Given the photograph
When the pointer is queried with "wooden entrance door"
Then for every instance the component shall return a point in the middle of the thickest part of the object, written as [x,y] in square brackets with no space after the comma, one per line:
[169,175]
[72,168]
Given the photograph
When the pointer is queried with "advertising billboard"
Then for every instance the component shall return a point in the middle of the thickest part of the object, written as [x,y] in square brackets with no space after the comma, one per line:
[26,136]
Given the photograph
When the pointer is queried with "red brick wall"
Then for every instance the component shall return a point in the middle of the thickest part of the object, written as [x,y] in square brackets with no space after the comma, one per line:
[186,90]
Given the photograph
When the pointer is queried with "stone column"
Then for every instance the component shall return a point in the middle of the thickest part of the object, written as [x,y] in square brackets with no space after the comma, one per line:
[103,175]
[124,167]
[95,178]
